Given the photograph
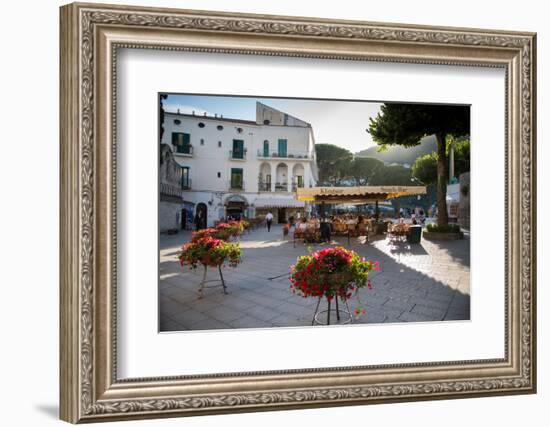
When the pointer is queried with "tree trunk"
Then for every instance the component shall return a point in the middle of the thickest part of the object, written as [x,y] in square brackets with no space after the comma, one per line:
[441,180]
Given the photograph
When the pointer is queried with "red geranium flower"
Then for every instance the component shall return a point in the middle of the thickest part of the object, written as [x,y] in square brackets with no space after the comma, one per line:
[331,272]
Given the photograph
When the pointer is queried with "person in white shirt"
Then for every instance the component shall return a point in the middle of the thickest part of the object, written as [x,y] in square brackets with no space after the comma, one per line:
[269,220]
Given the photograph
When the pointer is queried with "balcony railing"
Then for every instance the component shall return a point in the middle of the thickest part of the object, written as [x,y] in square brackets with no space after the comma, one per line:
[235,186]
[237,154]
[184,150]
[186,184]
[264,186]
[170,190]
[287,155]
[281,186]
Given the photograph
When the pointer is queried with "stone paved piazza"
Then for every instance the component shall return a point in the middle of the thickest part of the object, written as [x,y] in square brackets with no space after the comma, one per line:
[425,282]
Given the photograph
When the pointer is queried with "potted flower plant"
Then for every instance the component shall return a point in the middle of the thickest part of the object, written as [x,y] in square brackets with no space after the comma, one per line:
[237,227]
[205,232]
[210,252]
[332,273]
[222,231]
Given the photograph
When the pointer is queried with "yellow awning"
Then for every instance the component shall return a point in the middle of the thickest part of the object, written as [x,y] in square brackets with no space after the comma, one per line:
[363,194]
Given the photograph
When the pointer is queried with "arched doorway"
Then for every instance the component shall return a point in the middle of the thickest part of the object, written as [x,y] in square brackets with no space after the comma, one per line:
[264,183]
[281,173]
[235,206]
[201,216]
[297,176]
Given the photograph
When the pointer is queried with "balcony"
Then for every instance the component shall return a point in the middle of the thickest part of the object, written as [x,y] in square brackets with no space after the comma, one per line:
[236,186]
[237,154]
[186,184]
[296,155]
[281,186]
[264,186]
[183,150]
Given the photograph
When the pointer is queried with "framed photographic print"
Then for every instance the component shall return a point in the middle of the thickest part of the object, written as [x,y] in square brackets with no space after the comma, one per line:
[267,212]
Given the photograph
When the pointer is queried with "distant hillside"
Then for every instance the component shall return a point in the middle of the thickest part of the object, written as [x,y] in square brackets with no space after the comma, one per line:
[398,154]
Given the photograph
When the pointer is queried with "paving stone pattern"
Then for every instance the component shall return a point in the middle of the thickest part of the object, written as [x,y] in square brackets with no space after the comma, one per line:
[417,283]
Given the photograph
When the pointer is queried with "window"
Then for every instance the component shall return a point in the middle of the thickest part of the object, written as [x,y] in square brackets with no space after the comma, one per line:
[219,127]
[219,144]
[202,141]
[177,121]
[239,130]
[266,122]
[268,179]
[266,148]
[201,124]
[282,146]
[182,142]
[238,149]
[300,181]
[219,174]
[236,178]
[185,181]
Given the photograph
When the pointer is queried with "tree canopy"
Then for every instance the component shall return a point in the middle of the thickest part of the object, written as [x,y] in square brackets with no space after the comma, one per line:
[162,97]
[425,167]
[392,175]
[333,162]
[338,166]
[406,124]
[462,156]
[364,169]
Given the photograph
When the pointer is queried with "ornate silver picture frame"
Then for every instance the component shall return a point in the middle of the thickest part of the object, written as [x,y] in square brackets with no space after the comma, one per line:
[91,390]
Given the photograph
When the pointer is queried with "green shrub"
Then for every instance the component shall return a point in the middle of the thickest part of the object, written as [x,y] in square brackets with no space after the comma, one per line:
[449,228]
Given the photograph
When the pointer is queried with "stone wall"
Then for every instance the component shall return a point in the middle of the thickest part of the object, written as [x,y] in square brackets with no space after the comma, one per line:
[464,205]
[171,201]
[169,216]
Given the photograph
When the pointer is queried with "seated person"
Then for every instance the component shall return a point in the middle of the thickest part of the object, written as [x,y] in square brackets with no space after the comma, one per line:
[302,226]
[325,229]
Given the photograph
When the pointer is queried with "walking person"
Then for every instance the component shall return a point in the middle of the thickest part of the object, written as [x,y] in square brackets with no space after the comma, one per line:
[269,220]
[198,221]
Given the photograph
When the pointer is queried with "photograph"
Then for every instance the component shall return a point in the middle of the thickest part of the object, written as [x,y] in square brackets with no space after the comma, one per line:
[295,212]
[270,210]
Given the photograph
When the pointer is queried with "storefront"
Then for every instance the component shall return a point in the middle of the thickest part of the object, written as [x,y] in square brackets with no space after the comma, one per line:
[283,209]
[361,195]
[236,206]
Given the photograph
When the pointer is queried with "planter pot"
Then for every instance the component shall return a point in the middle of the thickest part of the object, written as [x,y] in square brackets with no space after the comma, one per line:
[432,235]
[338,278]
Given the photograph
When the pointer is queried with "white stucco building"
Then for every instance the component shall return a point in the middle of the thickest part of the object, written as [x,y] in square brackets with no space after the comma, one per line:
[232,166]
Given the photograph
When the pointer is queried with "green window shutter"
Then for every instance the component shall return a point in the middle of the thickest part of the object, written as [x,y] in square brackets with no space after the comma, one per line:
[266,148]
[236,178]
[182,142]
[186,143]
[238,148]
[282,146]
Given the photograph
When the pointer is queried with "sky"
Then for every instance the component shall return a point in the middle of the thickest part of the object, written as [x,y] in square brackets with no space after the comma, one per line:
[343,123]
